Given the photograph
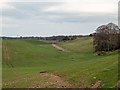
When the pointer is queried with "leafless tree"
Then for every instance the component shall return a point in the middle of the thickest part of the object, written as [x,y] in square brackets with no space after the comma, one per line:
[106,38]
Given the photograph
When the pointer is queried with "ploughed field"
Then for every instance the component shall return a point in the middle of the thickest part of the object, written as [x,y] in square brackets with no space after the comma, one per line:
[37,64]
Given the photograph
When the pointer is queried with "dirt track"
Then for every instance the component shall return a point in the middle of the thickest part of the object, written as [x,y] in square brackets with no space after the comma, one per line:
[58,47]
[57,80]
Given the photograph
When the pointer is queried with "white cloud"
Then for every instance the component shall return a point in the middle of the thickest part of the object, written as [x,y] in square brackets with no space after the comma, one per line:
[88,7]
[5,5]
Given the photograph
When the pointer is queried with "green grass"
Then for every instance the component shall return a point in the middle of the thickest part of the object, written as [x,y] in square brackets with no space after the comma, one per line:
[24,59]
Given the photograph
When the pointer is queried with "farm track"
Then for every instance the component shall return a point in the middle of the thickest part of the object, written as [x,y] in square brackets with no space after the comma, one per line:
[59,48]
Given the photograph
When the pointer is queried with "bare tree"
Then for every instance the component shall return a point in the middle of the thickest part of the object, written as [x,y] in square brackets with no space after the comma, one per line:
[106,38]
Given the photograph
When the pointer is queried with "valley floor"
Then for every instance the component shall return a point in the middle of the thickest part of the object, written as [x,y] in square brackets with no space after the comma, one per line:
[37,64]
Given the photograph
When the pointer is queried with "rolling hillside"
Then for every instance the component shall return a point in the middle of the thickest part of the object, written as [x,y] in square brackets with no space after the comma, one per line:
[26,61]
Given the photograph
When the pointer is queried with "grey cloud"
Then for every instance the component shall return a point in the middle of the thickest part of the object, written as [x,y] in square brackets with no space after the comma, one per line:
[38,9]
[77,18]
[33,19]
[25,10]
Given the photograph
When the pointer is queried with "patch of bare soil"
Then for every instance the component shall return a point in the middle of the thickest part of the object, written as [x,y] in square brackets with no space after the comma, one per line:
[59,48]
[97,85]
[57,81]
[118,84]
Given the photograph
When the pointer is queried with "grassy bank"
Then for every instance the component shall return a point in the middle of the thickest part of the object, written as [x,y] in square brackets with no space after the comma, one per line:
[23,60]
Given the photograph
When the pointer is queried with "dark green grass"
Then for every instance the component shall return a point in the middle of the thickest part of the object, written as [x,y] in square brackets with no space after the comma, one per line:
[80,67]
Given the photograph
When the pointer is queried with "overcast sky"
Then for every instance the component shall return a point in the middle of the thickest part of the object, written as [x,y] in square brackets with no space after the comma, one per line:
[55,17]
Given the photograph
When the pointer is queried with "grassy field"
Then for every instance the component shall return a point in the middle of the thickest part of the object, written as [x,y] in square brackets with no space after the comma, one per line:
[23,60]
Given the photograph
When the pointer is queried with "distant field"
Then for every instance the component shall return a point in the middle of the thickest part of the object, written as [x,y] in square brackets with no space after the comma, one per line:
[23,60]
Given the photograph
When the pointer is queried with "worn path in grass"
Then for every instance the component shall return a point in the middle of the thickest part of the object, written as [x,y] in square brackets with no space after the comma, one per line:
[39,80]
[56,80]
[59,48]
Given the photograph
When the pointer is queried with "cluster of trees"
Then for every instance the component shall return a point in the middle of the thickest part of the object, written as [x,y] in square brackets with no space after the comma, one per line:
[20,37]
[107,38]
[63,38]
[52,38]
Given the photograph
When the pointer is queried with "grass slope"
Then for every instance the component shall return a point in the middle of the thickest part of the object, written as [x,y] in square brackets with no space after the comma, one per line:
[24,59]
